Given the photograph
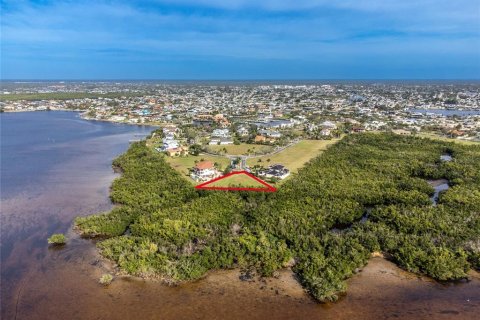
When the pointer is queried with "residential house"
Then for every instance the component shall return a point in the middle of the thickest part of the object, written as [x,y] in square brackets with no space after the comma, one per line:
[242,131]
[221,133]
[275,171]
[175,152]
[325,132]
[204,171]
[282,124]
[221,141]
[358,129]
[270,133]
[264,139]
[402,132]
[328,125]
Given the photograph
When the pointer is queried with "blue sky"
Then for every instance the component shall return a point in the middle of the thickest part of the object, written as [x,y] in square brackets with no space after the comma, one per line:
[240,39]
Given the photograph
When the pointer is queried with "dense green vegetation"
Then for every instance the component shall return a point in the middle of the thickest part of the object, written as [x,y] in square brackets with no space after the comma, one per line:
[57,239]
[366,193]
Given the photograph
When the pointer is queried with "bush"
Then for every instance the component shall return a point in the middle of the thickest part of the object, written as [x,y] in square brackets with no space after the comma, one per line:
[57,239]
[106,279]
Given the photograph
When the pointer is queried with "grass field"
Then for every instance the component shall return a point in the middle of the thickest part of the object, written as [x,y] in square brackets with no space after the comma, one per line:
[296,156]
[241,149]
[437,137]
[293,158]
[237,180]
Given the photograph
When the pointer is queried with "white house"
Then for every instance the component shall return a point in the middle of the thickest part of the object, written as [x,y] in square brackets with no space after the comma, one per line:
[270,133]
[204,171]
[242,131]
[169,144]
[221,141]
[328,125]
[275,171]
[221,133]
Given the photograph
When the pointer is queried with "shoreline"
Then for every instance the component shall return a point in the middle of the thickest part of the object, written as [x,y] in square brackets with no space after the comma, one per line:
[64,283]
[81,112]
[111,267]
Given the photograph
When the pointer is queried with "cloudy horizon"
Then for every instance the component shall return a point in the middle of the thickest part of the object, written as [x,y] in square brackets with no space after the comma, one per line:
[240,39]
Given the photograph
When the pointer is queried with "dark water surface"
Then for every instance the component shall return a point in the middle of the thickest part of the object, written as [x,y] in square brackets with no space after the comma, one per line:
[448,112]
[55,166]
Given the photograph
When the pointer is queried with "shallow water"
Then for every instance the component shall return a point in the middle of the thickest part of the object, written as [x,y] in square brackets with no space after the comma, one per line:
[448,113]
[46,183]
[439,186]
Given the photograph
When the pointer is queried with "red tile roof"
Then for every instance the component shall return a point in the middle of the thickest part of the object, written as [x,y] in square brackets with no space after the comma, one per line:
[204,165]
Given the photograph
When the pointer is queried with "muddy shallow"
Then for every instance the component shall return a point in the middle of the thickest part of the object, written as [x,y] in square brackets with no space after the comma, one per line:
[47,283]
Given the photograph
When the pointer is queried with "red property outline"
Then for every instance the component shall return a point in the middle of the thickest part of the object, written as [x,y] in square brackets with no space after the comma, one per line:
[268,188]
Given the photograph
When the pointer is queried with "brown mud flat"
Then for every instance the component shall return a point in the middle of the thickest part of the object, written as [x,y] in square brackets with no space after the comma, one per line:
[66,287]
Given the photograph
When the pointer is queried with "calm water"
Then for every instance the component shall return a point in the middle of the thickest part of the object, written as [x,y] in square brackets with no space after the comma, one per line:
[55,166]
[448,113]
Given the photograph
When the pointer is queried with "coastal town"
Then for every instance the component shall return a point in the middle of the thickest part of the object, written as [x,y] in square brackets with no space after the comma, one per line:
[218,127]
[313,108]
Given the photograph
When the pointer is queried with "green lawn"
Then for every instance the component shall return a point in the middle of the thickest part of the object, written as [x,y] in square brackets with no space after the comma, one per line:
[237,180]
[296,156]
[241,149]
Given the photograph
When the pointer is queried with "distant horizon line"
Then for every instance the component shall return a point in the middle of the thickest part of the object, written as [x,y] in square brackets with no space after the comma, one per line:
[242,80]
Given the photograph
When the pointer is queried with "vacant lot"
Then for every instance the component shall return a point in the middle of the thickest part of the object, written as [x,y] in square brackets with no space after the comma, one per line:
[296,156]
[293,157]
[241,149]
[442,138]
[237,180]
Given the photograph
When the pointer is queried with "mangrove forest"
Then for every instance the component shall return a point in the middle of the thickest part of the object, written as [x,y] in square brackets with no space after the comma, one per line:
[367,193]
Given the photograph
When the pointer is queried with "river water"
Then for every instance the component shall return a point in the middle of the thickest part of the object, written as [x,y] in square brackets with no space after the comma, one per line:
[448,112]
[55,166]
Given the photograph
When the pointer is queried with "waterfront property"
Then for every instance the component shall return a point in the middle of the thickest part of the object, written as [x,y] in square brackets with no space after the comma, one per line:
[204,171]
[301,219]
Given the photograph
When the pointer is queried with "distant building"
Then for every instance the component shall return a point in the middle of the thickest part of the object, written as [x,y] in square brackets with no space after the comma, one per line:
[264,139]
[270,133]
[282,124]
[175,152]
[242,131]
[222,133]
[402,132]
[358,129]
[202,122]
[328,125]
[325,132]
[221,141]
[169,144]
